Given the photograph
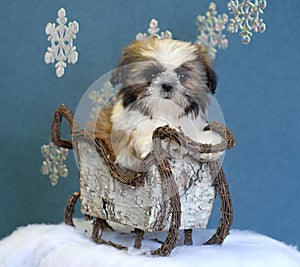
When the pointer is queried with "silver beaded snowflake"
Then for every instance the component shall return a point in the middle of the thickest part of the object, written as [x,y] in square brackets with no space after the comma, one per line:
[153,30]
[101,99]
[53,164]
[246,18]
[211,28]
[61,38]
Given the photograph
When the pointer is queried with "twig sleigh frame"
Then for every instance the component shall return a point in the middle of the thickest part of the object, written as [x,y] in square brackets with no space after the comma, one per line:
[98,170]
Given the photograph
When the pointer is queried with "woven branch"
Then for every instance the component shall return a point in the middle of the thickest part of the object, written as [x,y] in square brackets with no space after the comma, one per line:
[70,208]
[164,132]
[165,168]
[139,238]
[66,112]
[226,211]
[98,227]
[188,238]
[134,180]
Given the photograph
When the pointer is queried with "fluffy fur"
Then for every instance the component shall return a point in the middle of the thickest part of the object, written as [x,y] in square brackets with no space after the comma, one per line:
[163,82]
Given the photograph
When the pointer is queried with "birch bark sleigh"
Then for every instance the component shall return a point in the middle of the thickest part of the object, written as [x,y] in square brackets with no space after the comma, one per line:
[145,207]
[173,193]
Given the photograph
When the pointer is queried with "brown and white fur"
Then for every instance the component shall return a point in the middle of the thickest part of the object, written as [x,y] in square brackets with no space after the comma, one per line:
[163,82]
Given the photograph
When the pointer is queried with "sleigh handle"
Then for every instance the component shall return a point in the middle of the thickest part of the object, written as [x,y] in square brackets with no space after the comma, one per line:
[168,133]
[164,132]
[65,112]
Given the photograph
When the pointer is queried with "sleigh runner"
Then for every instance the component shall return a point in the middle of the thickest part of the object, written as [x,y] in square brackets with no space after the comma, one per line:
[168,193]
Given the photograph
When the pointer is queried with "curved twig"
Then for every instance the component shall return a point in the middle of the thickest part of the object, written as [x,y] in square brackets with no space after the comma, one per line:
[96,236]
[188,237]
[226,211]
[172,191]
[65,112]
[134,180]
[166,132]
[68,218]
[138,238]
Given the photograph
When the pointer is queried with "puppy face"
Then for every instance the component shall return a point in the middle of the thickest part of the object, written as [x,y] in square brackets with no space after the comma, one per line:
[157,73]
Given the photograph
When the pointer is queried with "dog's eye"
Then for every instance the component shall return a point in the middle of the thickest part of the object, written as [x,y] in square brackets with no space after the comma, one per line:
[151,74]
[183,77]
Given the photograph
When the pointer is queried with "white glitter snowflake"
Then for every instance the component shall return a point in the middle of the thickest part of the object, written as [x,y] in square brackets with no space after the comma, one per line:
[61,37]
[53,164]
[211,28]
[153,30]
[246,18]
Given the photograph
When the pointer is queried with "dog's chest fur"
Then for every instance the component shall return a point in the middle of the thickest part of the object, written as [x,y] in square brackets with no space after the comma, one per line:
[131,133]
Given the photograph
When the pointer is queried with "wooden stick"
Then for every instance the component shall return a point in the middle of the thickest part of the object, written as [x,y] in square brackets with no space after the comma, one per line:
[139,238]
[226,211]
[188,237]
[69,210]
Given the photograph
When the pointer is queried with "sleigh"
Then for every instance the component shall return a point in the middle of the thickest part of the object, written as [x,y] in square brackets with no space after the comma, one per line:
[167,193]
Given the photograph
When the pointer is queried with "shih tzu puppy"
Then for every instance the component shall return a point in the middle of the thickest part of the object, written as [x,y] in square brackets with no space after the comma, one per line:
[162,82]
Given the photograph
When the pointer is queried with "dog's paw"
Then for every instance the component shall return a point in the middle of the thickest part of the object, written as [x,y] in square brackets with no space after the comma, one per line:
[211,156]
[143,148]
[213,138]
[144,154]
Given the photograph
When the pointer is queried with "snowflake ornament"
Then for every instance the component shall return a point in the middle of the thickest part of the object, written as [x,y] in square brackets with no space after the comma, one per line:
[211,28]
[102,99]
[61,38]
[53,164]
[246,18]
[153,30]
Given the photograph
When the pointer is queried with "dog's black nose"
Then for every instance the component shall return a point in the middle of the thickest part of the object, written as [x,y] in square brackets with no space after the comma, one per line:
[167,87]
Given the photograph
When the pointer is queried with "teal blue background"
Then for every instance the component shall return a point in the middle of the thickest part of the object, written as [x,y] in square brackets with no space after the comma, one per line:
[258,91]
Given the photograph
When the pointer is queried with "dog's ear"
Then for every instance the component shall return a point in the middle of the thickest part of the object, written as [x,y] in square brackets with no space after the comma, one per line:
[211,80]
[130,54]
[203,57]
[118,75]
